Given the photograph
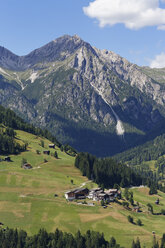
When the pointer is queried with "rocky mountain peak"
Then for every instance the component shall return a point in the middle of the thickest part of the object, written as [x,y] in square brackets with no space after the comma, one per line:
[8,59]
[58,49]
[82,94]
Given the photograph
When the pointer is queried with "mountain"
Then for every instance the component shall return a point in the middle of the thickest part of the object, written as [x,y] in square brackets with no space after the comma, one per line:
[93,99]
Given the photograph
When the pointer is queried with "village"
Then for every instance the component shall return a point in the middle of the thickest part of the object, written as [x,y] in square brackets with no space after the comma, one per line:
[96,194]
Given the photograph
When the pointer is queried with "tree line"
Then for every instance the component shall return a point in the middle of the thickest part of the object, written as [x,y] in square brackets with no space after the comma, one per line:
[9,119]
[106,172]
[8,144]
[10,238]
[13,238]
[9,122]
[151,150]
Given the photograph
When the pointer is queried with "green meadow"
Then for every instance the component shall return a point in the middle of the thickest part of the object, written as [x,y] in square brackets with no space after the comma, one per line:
[28,201]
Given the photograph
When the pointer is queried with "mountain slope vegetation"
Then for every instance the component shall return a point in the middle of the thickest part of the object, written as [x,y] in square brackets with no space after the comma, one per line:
[33,199]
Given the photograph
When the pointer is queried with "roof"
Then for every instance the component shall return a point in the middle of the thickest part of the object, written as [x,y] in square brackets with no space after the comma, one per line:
[102,194]
[96,189]
[75,190]
[27,164]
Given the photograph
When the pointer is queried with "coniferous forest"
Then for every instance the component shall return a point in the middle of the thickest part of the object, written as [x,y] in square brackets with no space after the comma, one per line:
[10,121]
[10,238]
[107,172]
[13,238]
[151,150]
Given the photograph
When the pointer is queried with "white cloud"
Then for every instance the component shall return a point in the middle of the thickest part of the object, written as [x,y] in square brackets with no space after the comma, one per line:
[159,61]
[161,27]
[134,14]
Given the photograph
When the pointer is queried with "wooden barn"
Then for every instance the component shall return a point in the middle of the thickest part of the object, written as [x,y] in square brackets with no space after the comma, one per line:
[52,146]
[7,159]
[46,152]
[80,193]
[27,166]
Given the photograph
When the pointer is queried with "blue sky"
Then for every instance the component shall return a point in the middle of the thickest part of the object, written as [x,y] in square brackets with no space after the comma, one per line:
[136,32]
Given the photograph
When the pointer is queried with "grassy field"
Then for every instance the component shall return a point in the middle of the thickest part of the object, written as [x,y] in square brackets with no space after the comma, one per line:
[27,199]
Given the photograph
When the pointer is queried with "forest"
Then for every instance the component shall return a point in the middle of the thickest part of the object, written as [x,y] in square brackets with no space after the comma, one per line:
[13,238]
[10,238]
[9,122]
[151,150]
[9,119]
[106,171]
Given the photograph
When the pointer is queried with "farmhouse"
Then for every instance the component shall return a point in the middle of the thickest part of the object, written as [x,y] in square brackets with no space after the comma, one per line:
[80,193]
[7,159]
[27,166]
[99,194]
[46,152]
[52,146]
[94,192]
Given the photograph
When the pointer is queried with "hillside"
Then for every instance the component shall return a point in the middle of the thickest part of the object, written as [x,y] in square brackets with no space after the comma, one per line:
[27,198]
[94,100]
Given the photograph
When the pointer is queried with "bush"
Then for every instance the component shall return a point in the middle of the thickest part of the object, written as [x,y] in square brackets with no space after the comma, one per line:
[163,211]
[130,219]
[150,208]
[139,222]
[56,154]
[153,190]
[125,204]
[102,203]
[42,143]
[24,161]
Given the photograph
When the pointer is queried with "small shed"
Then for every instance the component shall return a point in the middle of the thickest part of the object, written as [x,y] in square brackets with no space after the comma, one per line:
[52,146]
[27,166]
[46,152]
[7,159]
[136,209]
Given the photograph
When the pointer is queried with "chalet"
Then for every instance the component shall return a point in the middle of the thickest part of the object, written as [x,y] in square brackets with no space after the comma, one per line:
[98,194]
[27,166]
[46,152]
[52,146]
[80,193]
[113,192]
[7,159]
[94,192]
[102,196]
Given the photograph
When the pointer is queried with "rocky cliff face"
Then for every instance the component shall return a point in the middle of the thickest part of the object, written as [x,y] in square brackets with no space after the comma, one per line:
[95,100]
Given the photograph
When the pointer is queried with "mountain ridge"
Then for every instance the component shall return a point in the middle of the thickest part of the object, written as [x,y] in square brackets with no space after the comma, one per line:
[89,98]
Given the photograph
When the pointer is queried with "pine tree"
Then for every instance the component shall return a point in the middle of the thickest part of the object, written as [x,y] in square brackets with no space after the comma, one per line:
[56,155]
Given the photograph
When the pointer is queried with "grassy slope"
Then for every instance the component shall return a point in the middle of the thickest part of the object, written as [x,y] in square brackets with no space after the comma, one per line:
[27,199]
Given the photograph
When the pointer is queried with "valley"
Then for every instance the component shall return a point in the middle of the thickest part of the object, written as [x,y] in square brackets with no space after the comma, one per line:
[27,198]
[97,102]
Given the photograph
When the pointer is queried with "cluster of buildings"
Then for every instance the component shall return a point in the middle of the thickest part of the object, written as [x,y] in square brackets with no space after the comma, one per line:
[96,194]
